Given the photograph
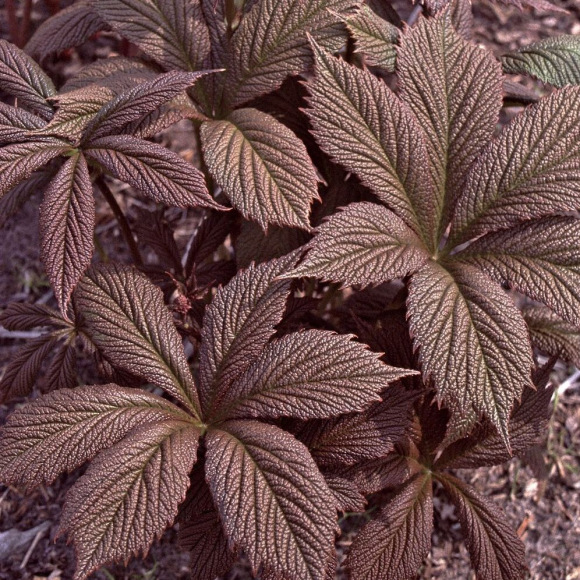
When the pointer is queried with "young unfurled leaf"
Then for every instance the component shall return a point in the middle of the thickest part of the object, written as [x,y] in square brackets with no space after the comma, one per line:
[541,258]
[71,426]
[553,335]
[237,326]
[472,340]
[307,375]
[20,160]
[374,38]
[272,500]
[496,551]
[454,90]
[354,116]
[262,167]
[171,33]
[67,220]
[395,543]
[127,319]
[504,188]
[271,43]
[129,494]
[374,246]
[22,78]
[153,170]
[17,124]
[552,60]
[68,28]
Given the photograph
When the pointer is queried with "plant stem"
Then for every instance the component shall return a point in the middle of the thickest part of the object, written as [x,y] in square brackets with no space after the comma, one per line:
[12,22]
[121,220]
[25,23]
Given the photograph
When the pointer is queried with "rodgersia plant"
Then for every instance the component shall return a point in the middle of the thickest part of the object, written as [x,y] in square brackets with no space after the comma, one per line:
[315,177]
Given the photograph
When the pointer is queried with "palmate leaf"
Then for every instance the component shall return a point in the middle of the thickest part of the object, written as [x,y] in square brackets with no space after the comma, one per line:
[153,170]
[26,316]
[68,28]
[262,167]
[552,60]
[472,341]
[22,78]
[395,543]
[20,160]
[373,245]
[541,258]
[67,219]
[17,124]
[129,494]
[309,375]
[271,44]
[461,16]
[273,501]
[237,326]
[531,170]
[551,334]
[495,550]
[348,497]
[354,116]
[71,426]
[128,321]
[374,38]
[454,90]
[171,32]
[62,373]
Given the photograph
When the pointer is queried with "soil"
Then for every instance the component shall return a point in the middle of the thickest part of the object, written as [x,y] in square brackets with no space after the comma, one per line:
[545,510]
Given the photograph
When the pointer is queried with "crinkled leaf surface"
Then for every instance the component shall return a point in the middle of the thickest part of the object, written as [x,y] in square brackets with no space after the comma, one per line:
[541,258]
[20,160]
[153,170]
[454,89]
[472,341]
[22,78]
[129,494]
[271,44]
[363,244]
[237,326]
[552,335]
[496,551]
[16,124]
[62,372]
[127,319]
[273,501]
[26,316]
[531,170]
[355,116]
[395,543]
[348,497]
[67,28]
[67,220]
[262,167]
[374,38]
[170,32]
[553,60]
[311,375]
[71,426]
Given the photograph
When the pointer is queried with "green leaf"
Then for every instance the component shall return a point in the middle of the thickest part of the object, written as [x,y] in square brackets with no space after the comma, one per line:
[237,326]
[374,38]
[127,319]
[271,43]
[552,60]
[262,167]
[363,243]
[541,258]
[495,550]
[67,221]
[472,341]
[172,33]
[272,500]
[22,78]
[454,89]
[153,170]
[307,374]
[395,543]
[531,170]
[130,494]
[71,426]
[354,116]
